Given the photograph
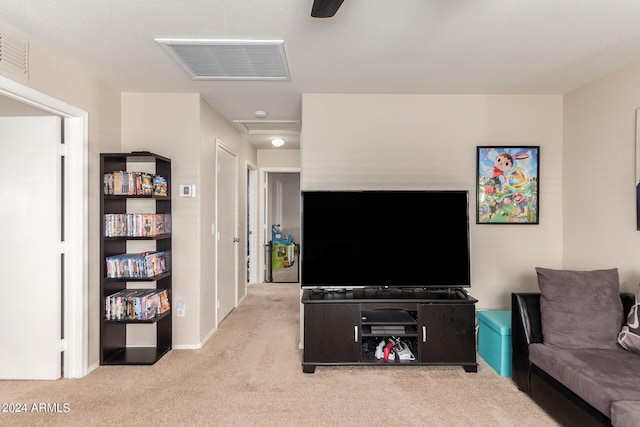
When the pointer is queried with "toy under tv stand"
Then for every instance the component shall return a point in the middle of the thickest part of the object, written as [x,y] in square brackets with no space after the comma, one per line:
[343,327]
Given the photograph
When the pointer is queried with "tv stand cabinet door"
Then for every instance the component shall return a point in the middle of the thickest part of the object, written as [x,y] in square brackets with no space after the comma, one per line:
[450,333]
[331,333]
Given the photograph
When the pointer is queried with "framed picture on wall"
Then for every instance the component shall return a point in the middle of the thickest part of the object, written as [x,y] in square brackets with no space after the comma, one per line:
[507,184]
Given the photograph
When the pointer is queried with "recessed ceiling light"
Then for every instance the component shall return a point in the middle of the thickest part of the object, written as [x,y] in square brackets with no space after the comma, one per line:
[277,142]
[261,114]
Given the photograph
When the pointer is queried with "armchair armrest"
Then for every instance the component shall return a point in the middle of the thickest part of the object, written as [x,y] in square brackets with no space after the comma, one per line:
[526,328]
[628,299]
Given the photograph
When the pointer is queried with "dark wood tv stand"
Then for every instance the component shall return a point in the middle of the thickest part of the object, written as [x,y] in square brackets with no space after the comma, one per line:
[344,327]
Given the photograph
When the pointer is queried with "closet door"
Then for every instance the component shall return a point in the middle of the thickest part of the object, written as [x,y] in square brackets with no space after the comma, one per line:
[227,226]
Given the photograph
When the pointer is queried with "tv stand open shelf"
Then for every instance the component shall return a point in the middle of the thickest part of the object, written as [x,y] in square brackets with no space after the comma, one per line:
[344,328]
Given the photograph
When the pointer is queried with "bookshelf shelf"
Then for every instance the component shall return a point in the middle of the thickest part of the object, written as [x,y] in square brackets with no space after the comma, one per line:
[136,356]
[138,279]
[158,237]
[133,173]
[154,320]
[134,196]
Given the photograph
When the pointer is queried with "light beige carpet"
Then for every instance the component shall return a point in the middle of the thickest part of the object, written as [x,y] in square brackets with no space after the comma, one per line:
[249,373]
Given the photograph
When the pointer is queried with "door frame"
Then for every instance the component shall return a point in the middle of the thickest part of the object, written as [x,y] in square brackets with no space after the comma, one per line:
[252,224]
[75,285]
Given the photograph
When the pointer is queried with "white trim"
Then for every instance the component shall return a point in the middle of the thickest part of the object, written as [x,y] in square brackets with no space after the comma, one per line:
[75,222]
[253,224]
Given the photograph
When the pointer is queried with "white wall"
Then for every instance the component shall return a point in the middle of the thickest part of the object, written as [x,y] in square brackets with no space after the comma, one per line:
[599,176]
[429,142]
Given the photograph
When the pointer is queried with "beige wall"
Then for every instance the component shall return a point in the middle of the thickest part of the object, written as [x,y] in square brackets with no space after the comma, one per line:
[279,158]
[168,124]
[172,128]
[185,128]
[10,107]
[587,195]
[53,76]
[429,142]
[599,176]
[214,127]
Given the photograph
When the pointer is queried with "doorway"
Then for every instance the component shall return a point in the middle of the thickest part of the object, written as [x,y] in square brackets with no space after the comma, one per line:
[73,267]
[280,217]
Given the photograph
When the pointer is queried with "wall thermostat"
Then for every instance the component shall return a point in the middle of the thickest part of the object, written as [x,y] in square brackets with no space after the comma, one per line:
[187,190]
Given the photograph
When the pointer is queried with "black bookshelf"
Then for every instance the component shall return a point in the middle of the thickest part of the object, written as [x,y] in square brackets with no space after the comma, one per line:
[114,349]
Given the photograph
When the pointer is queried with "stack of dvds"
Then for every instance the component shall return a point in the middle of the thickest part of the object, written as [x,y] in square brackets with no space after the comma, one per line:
[136,225]
[136,304]
[134,184]
[140,265]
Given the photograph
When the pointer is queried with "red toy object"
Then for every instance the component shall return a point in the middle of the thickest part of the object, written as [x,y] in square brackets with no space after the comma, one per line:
[387,350]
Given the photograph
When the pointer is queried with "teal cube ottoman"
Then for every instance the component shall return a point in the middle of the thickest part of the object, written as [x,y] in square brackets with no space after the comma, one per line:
[494,340]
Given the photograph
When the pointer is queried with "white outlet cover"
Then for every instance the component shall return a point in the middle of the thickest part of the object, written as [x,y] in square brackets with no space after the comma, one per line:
[180,308]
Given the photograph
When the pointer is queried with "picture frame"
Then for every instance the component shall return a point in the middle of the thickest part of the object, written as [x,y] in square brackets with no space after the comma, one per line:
[507,184]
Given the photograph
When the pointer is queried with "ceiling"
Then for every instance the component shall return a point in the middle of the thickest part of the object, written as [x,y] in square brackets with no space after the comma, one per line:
[369,46]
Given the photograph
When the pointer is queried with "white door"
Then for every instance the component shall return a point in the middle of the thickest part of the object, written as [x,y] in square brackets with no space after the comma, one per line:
[227,227]
[30,226]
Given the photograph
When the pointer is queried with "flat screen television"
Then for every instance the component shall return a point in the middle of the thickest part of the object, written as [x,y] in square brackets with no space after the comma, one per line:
[388,239]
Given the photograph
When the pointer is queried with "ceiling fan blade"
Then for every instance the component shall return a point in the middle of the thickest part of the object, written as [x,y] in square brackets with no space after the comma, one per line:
[325,8]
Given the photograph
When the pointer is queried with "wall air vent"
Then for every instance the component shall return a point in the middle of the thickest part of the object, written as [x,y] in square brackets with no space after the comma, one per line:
[14,56]
[229,59]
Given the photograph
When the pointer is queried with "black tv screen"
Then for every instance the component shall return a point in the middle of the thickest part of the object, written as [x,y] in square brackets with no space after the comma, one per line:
[417,239]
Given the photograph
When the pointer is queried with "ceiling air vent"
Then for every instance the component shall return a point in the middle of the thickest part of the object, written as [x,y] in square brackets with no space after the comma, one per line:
[268,127]
[229,59]
[14,56]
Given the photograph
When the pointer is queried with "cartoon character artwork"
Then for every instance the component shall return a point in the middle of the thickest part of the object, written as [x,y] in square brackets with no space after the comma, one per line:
[507,184]
[502,164]
[520,210]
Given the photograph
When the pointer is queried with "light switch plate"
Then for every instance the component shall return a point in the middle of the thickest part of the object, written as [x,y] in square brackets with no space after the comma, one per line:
[187,190]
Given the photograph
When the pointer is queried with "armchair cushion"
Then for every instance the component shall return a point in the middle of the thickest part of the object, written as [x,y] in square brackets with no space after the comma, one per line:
[580,309]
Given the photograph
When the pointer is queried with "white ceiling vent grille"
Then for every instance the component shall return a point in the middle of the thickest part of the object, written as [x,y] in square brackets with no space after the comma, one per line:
[14,56]
[268,127]
[229,59]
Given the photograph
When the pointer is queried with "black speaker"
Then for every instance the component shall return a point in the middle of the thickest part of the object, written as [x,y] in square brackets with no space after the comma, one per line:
[325,8]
